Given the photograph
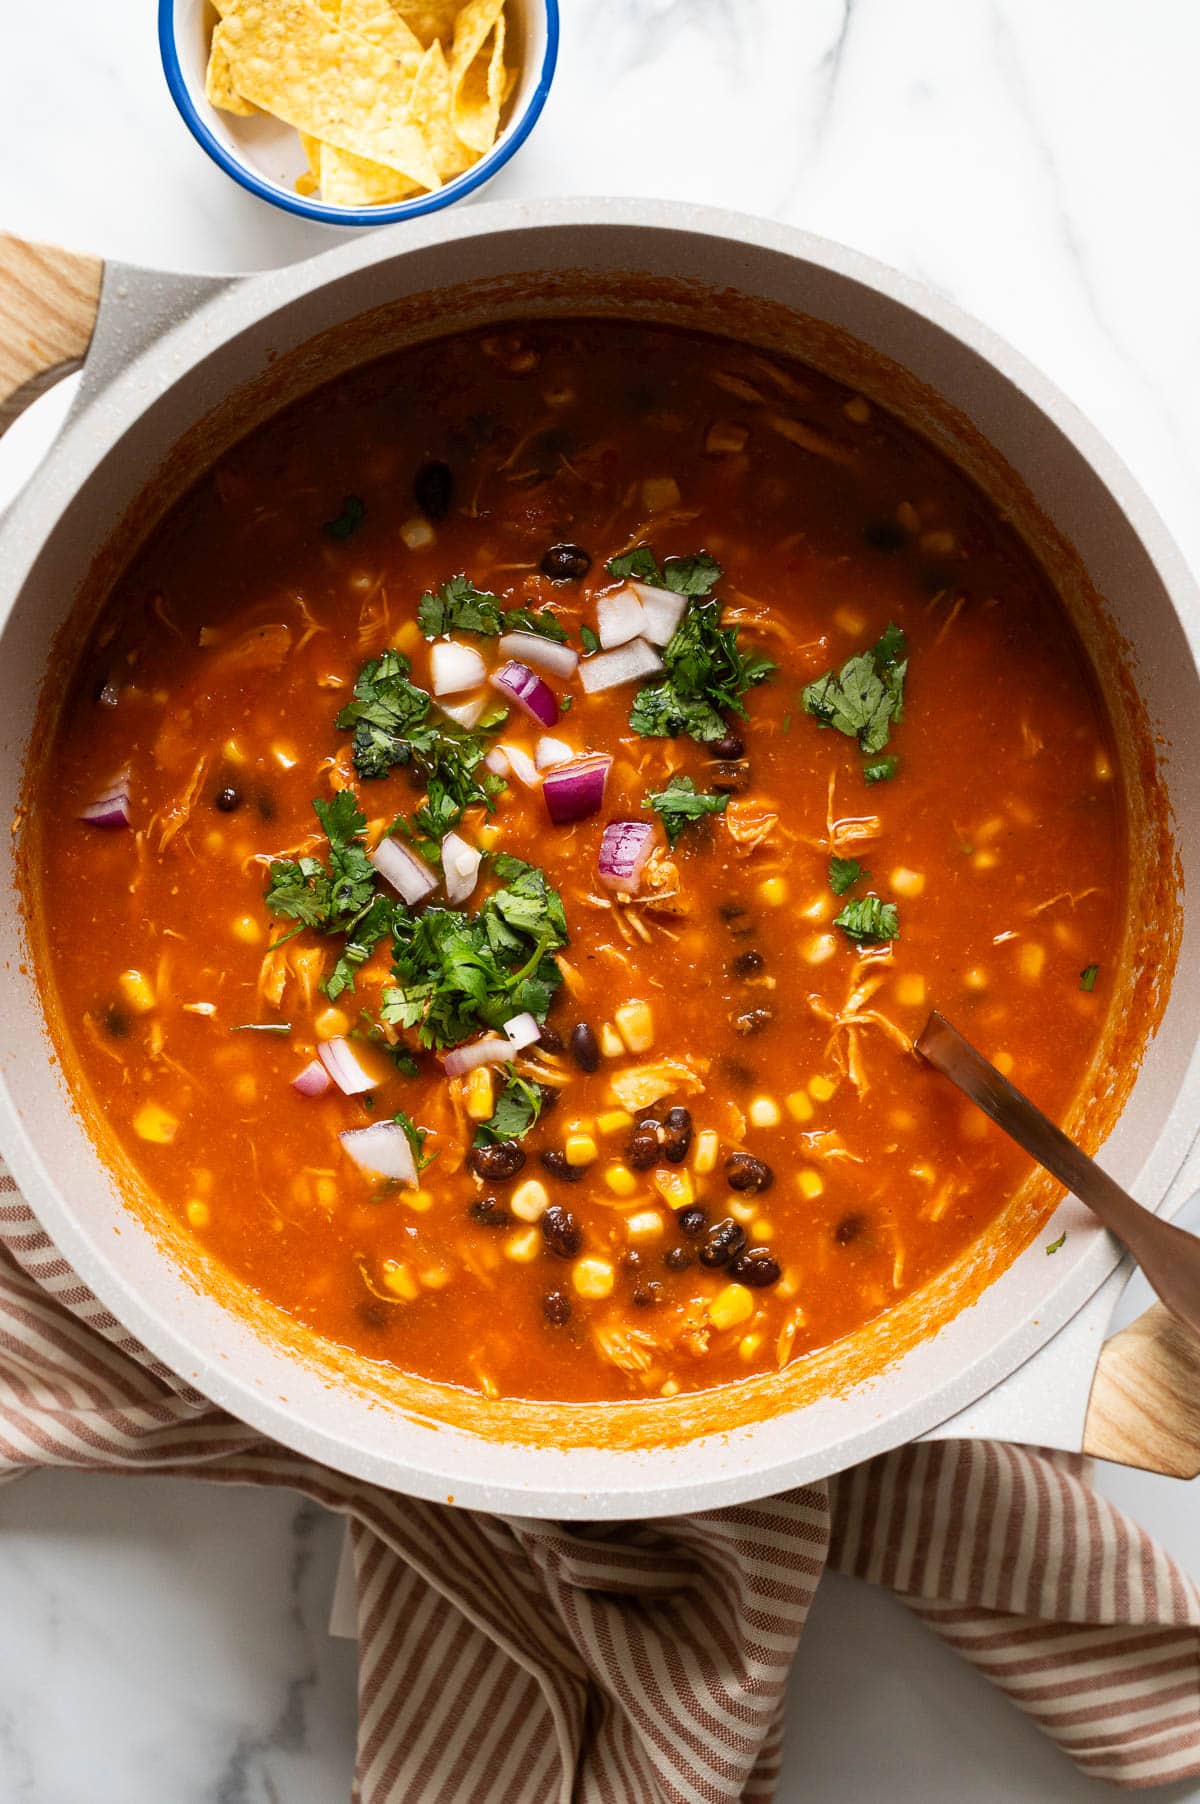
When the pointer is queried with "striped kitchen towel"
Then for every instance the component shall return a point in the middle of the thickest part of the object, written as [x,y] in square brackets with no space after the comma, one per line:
[509,1661]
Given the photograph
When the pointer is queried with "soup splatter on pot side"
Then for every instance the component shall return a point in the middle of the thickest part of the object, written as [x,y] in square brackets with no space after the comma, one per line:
[796,742]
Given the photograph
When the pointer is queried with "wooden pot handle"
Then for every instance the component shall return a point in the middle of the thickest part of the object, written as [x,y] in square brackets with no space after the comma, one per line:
[1145,1403]
[49,299]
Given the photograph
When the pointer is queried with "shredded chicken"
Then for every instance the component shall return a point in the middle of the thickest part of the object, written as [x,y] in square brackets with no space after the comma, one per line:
[179,812]
[849,830]
[640,1085]
[748,823]
[854,1018]
[261,648]
[1074,897]
[809,439]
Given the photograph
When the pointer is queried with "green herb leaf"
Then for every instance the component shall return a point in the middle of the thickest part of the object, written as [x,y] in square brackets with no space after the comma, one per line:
[706,670]
[459,606]
[416,1137]
[591,642]
[1055,1245]
[695,575]
[844,873]
[681,802]
[1087,978]
[640,563]
[869,920]
[516,1111]
[345,524]
[865,696]
[529,620]
[882,770]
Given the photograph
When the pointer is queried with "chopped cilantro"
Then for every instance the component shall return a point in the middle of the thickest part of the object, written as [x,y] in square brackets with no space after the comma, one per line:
[706,670]
[1056,1245]
[347,523]
[361,941]
[681,802]
[869,920]
[695,575]
[1087,978]
[459,605]
[865,696]
[416,1137]
[882,770]
[456,973]
[844,873]
[330,898]
[518,1107]
[529,620]
[387,708]
[591,642]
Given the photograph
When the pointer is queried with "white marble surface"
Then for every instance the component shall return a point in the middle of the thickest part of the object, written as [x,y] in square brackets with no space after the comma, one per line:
[1038,160]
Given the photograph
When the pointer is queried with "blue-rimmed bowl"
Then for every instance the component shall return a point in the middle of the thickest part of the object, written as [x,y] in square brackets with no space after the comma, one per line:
[265,156]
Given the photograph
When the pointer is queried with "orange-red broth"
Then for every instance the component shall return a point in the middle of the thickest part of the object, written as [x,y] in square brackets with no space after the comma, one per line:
[1001,840]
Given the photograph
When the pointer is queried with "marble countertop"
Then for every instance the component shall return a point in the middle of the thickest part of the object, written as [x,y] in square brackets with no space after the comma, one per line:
[1036,160]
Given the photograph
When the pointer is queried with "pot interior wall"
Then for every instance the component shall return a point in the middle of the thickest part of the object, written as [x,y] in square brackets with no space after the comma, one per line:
[140,446]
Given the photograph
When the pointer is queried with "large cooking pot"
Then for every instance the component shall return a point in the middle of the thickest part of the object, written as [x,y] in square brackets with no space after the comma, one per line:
[178,369]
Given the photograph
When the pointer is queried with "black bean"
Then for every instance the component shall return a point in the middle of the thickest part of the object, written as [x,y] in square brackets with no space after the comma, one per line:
[433,490]
[556,1307]
[737,1072]
[566,563]
[585,1047]
[631,1259]
[730,746]
[550,1041]
[489,1212]
[561,1231]
[744,1172]
[748,963]
[849,1228]
[723,1240]
[731,911]
[753,1021]
[646,1295]
[731,779]
[497,1162]
[676,1135]
[884,535]
[116,1021]
[677,1259]
[264,801]
[227,799]
[556,1163]
[549,1095]
[692,1221]
[372,1313]
[645,1147]
[756,1266]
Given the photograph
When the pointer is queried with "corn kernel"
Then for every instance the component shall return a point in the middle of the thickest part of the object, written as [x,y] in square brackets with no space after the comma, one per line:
[620,1180]
[908,517]
[611,1043]
[773,891]
[818,909]
[708,1145]
[326,1190]
[248,930]
[198,1213]
[976,978]
[986,860]
[1030,960]
[748,1346]
[812,1184]
[417,533]
[761,1228]
[798,1106]
[635,1024]
[725,438]
[593,1277]
[331,1024]
[488,837]
[857,409]
[743,1212]
[1103,767]
[670,1388]
[907,883]
[819,948]
[644,1224]
[419,1201]
[910,990]
[530,1200]
[479,1094]
[137,991]
[849,621]
[244,1087]
[1003,1061]
[395,1276]
[434,1277]
[939,543]
[523,1246]
[659,493]
[284,757]
[580,1149]
[674,1185]
[232,752]
[821,1088]
[764,1112]
[154,1124]
[611,1121]
[731,1305]
[407,636]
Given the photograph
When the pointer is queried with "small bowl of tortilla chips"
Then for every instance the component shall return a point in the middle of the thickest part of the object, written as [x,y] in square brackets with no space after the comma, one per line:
[359,112]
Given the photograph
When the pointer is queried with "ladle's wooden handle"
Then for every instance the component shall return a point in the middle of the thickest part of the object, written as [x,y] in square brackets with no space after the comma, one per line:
[1145,1403]
[49,299]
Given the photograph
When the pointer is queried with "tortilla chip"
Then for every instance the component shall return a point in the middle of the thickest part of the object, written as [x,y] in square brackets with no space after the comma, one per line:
[291,60]
[380,23]
[477,77]
[429,19]
[350,181]
[218,80]
[430,102]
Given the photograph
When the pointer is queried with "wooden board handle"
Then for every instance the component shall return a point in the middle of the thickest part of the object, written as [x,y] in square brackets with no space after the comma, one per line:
[1145,1403]
[49,299]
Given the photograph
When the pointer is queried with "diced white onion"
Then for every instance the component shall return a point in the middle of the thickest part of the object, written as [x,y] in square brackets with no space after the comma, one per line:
[497,762]
[522,1031]
[539,652]
[548,752]
[382,1148]
[662,610]
[521,764]
[619,617]
[455,667]
[460,864]
[625,665]
[465,713]
[493,1049]
[399,865]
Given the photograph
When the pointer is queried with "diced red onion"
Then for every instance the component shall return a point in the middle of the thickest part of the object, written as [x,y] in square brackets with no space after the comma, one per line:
[627,664]
[383,1148]
[518,684]
[493,1049]
[619,617]
[314,1080]
[541,653]
[111,808]
[340,1060]
[575,790]
[521,765]
[624,849]
[549,752]
[460,863]
[465,713]
[399,865]
[662,610]
[454,667]
[522,1031]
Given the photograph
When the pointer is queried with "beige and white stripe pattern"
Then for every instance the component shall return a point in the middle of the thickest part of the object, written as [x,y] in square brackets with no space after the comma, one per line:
[509,1661]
